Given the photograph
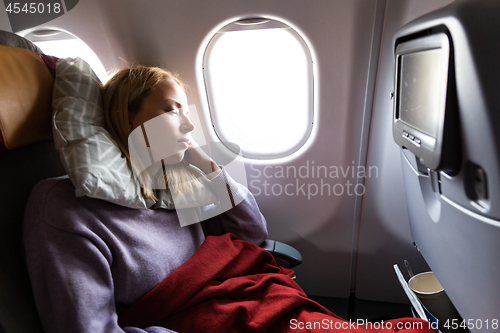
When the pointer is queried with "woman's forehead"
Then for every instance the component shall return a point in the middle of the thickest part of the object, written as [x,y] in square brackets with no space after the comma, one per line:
[168,90]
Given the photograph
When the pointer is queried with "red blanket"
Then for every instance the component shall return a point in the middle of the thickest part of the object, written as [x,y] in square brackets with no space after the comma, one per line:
[230,285]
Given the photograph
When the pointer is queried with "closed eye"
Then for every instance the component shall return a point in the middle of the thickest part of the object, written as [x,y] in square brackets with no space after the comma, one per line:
[172,105]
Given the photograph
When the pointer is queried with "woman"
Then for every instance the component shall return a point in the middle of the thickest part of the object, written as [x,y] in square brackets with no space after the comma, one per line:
[90,259]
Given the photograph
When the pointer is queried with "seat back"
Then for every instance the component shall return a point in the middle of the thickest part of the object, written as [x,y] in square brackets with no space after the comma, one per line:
[27,156]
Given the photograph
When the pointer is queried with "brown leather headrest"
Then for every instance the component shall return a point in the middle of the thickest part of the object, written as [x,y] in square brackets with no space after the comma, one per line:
[25,98]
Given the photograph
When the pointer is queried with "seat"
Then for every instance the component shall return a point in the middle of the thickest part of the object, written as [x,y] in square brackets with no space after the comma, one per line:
[27,156]
[25,160]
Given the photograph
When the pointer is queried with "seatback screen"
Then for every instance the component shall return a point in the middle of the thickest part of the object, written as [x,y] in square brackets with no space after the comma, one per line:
[421,91]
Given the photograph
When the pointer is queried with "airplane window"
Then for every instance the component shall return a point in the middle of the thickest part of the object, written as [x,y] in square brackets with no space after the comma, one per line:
[62,45]
[258,76]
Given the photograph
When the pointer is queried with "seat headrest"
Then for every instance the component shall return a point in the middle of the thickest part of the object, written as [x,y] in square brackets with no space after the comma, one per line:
[8,38]
[25,98]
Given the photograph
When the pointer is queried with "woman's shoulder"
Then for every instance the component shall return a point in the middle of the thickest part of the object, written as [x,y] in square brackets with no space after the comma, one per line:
[54,193]
[51,193]
[54,202]
[53,186]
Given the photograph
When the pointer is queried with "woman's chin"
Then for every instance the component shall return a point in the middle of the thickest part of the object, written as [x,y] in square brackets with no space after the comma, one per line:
[174,159]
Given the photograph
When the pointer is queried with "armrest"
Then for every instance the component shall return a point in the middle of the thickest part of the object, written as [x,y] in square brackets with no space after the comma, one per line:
[284,254]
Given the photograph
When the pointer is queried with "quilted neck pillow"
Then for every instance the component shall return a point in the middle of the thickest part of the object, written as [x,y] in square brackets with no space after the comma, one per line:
[89,154]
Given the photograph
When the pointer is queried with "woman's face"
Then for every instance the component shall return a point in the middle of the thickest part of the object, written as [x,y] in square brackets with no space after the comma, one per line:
[174,128]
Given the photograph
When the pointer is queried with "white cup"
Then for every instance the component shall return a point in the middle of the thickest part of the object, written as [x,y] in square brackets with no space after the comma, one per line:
[432,295]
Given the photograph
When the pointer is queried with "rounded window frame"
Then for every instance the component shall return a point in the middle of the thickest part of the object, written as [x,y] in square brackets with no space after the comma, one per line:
[258,23]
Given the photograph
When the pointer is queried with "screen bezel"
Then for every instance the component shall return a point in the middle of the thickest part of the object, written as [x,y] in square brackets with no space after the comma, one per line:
[426,147]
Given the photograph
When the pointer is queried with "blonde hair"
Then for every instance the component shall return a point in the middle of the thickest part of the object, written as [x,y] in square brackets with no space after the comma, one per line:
[124,93]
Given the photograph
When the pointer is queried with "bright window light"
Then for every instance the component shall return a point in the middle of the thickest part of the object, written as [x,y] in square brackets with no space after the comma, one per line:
[260,88]
[64,45]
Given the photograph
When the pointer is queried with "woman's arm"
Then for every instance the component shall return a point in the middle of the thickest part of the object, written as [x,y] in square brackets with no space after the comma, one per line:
[237,211]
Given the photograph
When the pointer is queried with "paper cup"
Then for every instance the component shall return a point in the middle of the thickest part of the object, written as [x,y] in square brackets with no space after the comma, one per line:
[432,295]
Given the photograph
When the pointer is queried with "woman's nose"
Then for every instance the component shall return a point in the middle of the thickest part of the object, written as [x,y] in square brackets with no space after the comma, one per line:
[187,125]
